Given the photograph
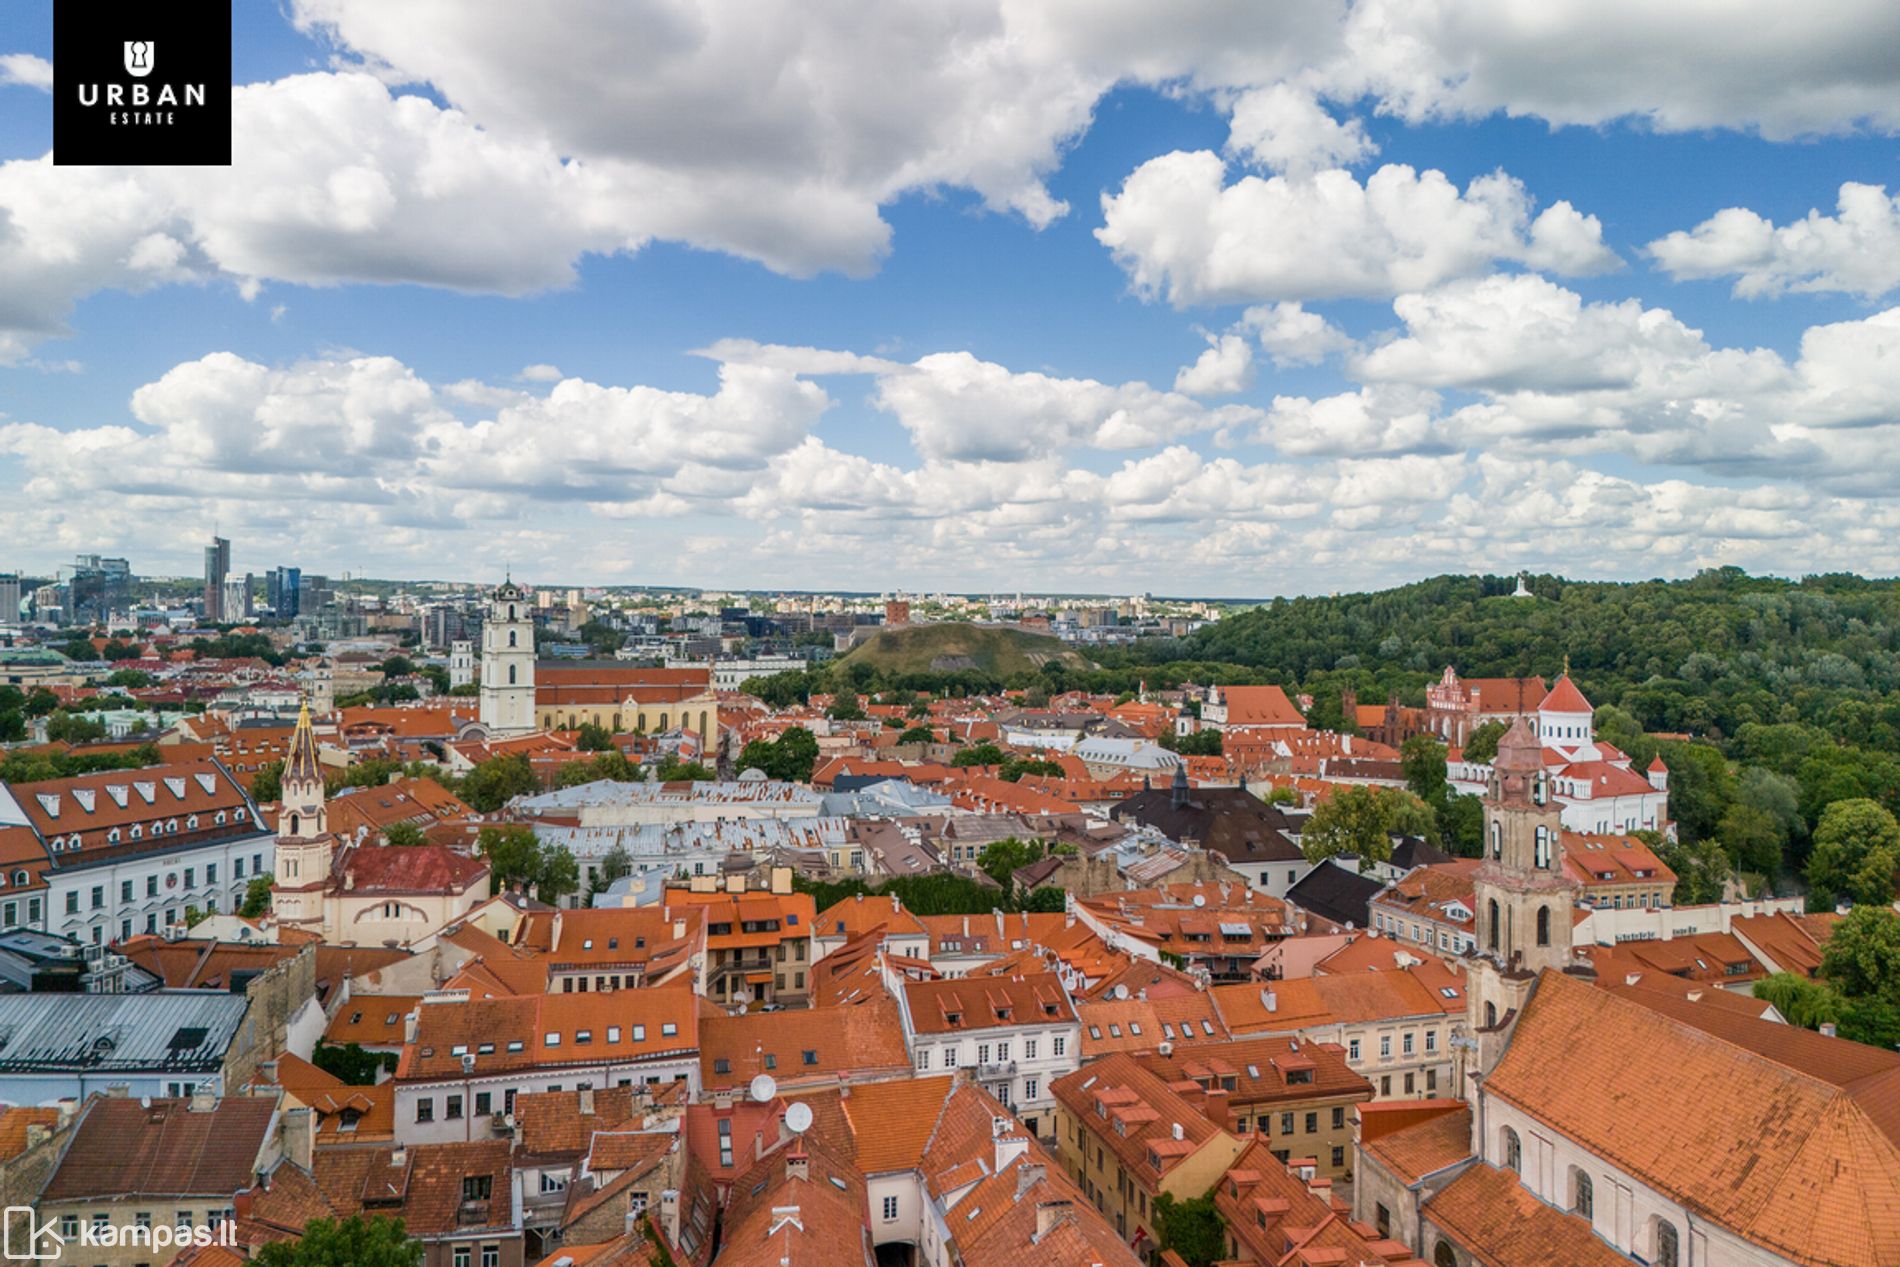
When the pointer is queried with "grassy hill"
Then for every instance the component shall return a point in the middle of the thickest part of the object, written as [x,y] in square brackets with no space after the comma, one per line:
[949,647]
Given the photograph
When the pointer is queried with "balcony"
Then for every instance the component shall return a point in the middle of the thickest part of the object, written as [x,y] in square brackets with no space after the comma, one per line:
[738,968]
[996,1072]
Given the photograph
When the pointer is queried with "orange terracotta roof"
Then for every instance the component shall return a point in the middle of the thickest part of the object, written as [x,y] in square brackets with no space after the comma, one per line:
[1422,1148]
[892,1121]
[371,1020]
[794,1047]
[1776,1109]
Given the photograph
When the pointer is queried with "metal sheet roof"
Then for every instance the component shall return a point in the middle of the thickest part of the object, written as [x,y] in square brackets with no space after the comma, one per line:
[175,1031]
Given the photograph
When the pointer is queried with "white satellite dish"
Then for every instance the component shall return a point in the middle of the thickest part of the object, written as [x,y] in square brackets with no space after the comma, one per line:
[798,1118]
[763,1088]
[1200,900]
[1121,992]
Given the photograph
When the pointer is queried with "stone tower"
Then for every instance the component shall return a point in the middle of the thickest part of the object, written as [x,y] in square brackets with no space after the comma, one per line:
[305,847]
[1524,900]
[508,663]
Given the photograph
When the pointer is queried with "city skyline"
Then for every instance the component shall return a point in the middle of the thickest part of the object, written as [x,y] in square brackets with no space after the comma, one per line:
[1326,299]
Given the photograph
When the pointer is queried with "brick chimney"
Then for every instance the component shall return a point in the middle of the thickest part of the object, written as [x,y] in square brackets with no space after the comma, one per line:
[1217,1108]
[797,1163]
[1050,1215]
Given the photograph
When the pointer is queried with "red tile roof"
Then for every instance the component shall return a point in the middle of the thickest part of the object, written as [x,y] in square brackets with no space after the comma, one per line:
[123,1147]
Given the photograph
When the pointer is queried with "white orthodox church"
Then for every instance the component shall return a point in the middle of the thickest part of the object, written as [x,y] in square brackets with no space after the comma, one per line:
[1594,784]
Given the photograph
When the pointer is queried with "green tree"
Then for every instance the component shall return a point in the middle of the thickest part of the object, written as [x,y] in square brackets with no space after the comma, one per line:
[1362,821]
[1856,848]
[1751,837]
[1862,957]
[594,737]
[614,864]
[1014,768]
[560,874]
[1422,757]
[1702,867]
[352,1063]
[267,784]
[1192,1229]
[65,727]
[257,897]
[1700,787]
[1482,744]
[979,754]
[1875,1022]
[1809,1004]
[1048,899]
[357,1241]
[513,852]
[672,770]
[1001,859]
[404,834]
[498,780]
[1202,743]
[1281,796]
[845,707]
[130,679]
[917,735]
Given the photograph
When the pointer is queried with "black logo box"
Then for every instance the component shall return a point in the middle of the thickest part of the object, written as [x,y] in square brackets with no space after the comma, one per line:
[186,56]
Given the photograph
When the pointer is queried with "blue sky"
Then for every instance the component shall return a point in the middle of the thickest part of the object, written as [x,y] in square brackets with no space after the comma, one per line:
[1008,419]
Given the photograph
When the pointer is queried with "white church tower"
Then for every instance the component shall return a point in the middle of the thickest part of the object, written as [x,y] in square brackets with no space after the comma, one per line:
[461,663]
[508,663]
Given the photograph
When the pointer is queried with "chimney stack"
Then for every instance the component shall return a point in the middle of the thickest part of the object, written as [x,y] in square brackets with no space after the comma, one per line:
[797,1163]
[1050,1215]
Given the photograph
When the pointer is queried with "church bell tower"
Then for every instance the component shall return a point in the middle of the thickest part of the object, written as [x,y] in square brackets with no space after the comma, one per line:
[305,848]
[508,663]
[1525,902]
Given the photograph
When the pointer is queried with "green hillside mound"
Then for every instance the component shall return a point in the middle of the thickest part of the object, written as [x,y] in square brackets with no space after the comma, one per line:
[951,647]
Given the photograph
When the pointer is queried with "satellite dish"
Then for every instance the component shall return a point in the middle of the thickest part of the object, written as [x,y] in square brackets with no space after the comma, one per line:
[1121,991]
[1200,900]
[798,1118]
[763,1088]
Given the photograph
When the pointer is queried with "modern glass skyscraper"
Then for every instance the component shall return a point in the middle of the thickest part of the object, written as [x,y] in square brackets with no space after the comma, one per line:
[217,567]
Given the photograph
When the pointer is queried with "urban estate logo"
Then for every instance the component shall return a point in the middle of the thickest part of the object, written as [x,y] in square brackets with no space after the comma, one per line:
[116,103]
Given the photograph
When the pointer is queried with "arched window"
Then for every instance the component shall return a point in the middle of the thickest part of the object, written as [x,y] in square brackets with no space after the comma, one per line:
[1490,1016]
[511,637]
[1513,1151]
[511,669]
[1497,840]
[1491,924]
[511,614]
[1543,926]
[1543,848]
[1584,1199]
[1666,1250]
[1444,1256]
[294,821]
